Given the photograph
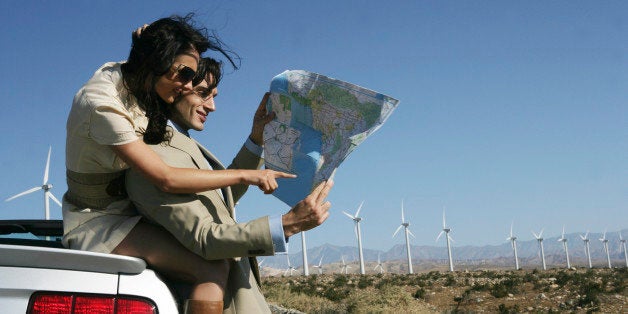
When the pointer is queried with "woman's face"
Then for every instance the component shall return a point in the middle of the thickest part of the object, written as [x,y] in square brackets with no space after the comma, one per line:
[179,78]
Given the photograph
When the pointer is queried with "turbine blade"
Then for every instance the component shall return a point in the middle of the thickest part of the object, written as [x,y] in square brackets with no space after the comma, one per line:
[357,213]
[397,231]
[348,215]
[403,219]
[536,236]
[563,231]
[583,237]
[410,232]
[47,166]
[511,228]
[444,224]
[541,233]
[54,199]
[450,238]
[440,234]
[23,193]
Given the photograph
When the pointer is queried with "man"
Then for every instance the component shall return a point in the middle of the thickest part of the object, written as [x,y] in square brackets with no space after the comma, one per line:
[203,222]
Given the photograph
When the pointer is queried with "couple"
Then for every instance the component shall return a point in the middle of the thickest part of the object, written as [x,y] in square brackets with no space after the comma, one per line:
[138,185]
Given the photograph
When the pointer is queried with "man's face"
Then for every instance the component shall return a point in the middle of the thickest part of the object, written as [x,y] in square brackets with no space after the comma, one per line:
[191,110]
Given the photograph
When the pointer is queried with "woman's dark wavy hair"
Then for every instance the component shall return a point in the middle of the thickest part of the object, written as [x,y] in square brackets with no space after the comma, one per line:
[152,55]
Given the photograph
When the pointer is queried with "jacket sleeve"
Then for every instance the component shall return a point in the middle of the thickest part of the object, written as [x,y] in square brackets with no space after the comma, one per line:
[200,221]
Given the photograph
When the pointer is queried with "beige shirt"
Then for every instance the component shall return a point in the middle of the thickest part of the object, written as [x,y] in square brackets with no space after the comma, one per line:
[103,113]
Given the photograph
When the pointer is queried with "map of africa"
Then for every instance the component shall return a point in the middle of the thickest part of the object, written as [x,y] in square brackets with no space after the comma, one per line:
[318,122]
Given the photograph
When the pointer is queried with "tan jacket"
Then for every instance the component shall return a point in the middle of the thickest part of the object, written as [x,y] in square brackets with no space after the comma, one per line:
[203,222]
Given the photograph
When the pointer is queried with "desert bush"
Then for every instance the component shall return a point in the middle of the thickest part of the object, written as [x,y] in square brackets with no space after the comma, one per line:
[309,304]
[419,294]
[364,282]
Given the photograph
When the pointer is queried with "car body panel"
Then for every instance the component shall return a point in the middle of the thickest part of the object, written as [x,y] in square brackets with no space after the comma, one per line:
[32,259]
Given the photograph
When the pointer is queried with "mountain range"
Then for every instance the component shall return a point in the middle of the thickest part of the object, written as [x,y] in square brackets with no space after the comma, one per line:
[494,255]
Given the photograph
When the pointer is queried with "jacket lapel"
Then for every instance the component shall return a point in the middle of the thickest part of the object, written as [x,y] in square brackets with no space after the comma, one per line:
[188,146]
[217,165]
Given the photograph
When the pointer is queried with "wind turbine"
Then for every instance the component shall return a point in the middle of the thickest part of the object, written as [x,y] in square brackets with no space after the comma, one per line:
[344,265]
[44,186]
[513,240]
[605,242]
[564,241]
[290,267]
[587,251]
[622,244]
[379,265]
[405,225]
[446,231]
[356,219]
[319,266]
[306,270]
[539,238]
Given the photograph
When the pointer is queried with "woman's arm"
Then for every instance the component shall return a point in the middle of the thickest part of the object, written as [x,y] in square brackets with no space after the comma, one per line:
[141,157]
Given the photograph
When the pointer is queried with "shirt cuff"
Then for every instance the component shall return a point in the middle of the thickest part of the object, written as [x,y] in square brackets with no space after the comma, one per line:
[253,148]
[276,232]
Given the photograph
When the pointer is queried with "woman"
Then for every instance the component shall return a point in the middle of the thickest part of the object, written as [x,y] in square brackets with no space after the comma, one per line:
[102,141]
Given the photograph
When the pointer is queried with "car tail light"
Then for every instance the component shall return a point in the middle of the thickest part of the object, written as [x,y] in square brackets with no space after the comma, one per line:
[77,303]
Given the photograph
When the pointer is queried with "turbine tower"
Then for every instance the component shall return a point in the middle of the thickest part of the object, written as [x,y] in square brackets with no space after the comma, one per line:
[379,264]
[564,241]
[539,238]
[513,240]
[446,231]
[356,219]
[306,270]
[320,265]
[45,186]
[405,224]
[605,242]
[587,251]
[622,245]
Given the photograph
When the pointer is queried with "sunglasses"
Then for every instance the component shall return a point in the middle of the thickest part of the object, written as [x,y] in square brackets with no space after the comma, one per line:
[184,73]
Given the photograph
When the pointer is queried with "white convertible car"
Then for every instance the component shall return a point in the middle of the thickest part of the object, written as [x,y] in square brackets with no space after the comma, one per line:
[38,275]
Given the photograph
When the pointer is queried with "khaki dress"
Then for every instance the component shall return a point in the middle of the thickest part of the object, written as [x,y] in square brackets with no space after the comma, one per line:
[97,214]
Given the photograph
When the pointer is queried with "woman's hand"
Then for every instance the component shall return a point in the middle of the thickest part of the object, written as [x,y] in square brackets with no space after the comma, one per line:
[261,118]
[138,32]
[265,179]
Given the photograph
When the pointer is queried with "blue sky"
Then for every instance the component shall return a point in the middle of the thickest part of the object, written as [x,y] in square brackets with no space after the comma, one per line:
[509,111]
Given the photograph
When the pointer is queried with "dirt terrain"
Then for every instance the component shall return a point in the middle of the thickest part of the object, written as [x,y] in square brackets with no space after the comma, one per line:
[480,291]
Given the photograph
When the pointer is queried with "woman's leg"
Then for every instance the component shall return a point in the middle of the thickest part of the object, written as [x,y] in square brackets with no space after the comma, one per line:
[170,258]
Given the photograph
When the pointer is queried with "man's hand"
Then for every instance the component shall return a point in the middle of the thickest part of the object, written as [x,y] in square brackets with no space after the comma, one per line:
[265,179]
[308,213]
[261,118]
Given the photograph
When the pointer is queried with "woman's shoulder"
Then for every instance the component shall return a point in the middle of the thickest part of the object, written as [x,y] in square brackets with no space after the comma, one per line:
[104,88]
